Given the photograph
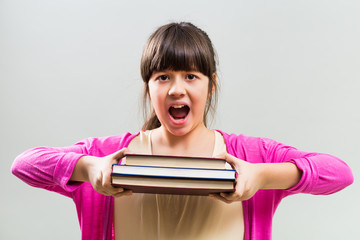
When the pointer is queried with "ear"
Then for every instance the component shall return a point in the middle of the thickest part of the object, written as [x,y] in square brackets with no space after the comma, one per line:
[214,84]
[146,91]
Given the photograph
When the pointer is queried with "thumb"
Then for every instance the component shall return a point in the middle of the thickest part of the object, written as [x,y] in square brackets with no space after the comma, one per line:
[117,156]
[231,159]
[228,158]
[221,155]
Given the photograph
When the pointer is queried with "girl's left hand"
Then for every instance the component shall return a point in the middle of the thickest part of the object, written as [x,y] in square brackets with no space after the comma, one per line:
[247,183]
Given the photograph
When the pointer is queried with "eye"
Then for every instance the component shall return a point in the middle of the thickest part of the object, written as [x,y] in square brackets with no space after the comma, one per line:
[163,78]
[191,77]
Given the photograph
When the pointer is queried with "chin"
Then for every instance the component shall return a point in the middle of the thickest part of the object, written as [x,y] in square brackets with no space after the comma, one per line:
[179,132]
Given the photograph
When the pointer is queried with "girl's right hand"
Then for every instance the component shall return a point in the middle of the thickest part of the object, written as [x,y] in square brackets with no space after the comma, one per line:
[97,171]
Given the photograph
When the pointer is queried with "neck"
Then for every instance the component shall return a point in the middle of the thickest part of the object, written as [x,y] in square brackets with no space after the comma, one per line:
[198,137]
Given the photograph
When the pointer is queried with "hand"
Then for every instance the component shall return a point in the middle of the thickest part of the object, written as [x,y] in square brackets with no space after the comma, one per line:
[99,174]
[247,183]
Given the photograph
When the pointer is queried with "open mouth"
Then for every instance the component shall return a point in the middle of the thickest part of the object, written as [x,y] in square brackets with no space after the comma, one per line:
[179,111]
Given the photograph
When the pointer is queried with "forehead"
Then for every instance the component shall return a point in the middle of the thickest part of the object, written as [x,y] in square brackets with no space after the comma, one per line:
[182,73]
[178,60]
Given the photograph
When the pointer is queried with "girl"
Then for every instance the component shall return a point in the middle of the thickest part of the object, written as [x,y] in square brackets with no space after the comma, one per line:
[179,71]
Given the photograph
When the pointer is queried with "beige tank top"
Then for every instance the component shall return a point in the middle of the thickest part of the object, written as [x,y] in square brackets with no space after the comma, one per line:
[163,217]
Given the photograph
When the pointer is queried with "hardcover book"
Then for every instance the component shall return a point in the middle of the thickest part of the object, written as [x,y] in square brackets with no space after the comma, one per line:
[173,175]
[180,186]
[172,172]
[175,161]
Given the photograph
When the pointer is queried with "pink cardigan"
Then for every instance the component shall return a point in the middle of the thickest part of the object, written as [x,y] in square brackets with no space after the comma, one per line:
[51,169]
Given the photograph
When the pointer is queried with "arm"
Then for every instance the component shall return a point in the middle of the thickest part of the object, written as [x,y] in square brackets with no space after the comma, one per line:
[276,166]
[321,173]
[97,171]
[63,169]
[278,175]
[254,176]
[49,168]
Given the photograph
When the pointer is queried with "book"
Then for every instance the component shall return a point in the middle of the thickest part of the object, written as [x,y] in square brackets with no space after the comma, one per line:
[175,161]
[179,186]
[171,180]
[174,172]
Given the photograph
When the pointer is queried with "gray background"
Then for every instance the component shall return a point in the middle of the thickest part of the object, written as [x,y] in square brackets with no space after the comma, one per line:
[289,70]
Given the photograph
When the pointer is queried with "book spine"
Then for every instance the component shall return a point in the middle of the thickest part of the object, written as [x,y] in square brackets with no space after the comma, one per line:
[175,191]
[173,172]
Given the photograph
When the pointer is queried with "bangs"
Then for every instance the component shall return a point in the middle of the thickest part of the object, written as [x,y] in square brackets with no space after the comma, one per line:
[179,52]
[179,49]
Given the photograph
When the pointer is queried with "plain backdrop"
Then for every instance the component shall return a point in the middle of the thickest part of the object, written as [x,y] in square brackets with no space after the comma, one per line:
[289,70]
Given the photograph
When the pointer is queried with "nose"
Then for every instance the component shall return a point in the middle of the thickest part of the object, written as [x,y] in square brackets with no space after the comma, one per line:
[177,88]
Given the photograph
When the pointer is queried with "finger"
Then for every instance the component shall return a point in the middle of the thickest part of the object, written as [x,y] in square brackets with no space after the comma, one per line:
[110,190]
[108,187]
[221,198]
[231,196]
[220,155]
[115,190]
[104,191]
[124,193]
[117,156]
[231,159]
[237,195]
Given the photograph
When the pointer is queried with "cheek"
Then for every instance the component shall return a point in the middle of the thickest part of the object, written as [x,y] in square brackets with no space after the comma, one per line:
[205,95]
[155,99]
[152,93]
[200,101]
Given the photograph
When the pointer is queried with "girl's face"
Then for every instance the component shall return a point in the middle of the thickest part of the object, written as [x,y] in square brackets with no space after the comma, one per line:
[179,99]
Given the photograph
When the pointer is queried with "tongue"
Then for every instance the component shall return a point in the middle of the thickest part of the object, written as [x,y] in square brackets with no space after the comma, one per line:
[178,112]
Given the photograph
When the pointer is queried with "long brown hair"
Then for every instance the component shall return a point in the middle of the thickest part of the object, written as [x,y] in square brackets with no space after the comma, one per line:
[179,47]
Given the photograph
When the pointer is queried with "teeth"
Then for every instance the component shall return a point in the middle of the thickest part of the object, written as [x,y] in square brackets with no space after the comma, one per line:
[178,106]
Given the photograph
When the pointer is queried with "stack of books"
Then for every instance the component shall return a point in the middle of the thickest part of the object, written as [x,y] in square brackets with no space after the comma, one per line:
[173,175]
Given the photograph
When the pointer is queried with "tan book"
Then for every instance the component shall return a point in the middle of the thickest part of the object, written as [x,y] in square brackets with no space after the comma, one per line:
[179,186]
[175,161]
[172,180]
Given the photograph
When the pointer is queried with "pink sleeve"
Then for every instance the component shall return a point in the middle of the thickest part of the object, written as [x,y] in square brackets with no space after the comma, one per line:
[321,173]
[50,168]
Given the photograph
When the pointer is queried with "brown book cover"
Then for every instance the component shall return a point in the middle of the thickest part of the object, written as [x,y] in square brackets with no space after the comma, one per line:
[173,172]
[175,161]
[179,186]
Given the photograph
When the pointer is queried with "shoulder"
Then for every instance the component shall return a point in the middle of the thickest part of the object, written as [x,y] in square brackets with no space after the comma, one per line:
[102,146]
[240,138]
[249,148]
[244,147]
